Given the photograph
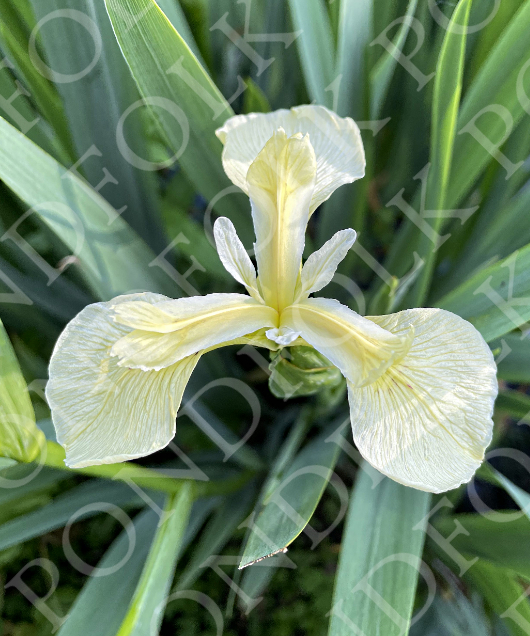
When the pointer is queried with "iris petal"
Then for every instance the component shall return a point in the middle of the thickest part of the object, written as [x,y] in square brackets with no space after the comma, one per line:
[427,422]
[280,182]
[336,140]
[357,346]
[234,256]
[104,413]
[321,266]
[165,332]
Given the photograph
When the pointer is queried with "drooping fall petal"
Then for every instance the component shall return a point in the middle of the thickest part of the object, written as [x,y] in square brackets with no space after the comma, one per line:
[361,349]
[280,183]
[104,413]
[427,421]
[337,143]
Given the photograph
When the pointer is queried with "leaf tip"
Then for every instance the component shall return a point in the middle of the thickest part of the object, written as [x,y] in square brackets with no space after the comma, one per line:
[242,565]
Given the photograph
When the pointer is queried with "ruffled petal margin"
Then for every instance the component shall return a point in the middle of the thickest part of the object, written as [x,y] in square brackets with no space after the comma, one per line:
[104,413]
[108,405]
[426,422]
[336,140]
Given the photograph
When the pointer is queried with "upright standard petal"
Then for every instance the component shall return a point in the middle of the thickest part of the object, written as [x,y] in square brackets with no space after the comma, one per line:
[357,346]
[162,333]
[321,266]
[280,183]
[234,256]
[104,413]
[427,421]
[336,140]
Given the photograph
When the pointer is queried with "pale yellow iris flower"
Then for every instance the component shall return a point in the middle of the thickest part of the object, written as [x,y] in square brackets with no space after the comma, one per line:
[421,382]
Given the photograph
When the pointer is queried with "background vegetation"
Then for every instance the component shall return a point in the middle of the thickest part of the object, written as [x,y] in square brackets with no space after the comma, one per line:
[445,120]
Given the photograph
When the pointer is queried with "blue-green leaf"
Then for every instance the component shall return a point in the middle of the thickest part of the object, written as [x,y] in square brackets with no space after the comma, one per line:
[103,600]
[77,42]
[495,90]
[185,102]
[446,104]
[315,44]
[146,609]
[288,508]
[381,548]
[494,298]
[113,258]
[106,495]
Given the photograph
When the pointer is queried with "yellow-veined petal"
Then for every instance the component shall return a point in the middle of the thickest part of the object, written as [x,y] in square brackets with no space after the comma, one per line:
[104,413]
[337,143]
[165,332]
[234,256]
[280,184]
[321,266]
[257,339]
[361,349]
[427,421]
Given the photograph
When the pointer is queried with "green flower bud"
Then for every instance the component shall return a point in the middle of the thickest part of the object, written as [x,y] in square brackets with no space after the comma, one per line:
[300,371]
[20,438]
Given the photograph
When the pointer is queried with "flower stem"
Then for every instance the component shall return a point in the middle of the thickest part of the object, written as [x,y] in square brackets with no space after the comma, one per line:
[54,456]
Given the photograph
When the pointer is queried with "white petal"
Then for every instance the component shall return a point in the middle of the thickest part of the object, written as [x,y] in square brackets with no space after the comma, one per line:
[283,336]
[281,181]
[337,142]
[104,413]
[321,266]
[427,421]
[234,256]
[358,347]
[170,330]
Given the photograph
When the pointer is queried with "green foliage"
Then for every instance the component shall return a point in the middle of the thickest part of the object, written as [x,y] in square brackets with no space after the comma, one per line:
[109,596]
[315,44]
[151,45]
[485,299]
[98,206]
[146,608]
[446,103]
[383,551]
[20,439]
[297,488]
[114,259]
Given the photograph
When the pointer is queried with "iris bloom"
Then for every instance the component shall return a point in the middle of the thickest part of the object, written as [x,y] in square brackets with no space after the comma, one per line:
[421,382]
